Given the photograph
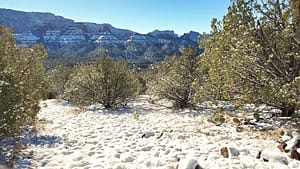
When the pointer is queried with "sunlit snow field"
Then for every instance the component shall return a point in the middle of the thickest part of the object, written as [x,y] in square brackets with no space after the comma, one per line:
[142,135]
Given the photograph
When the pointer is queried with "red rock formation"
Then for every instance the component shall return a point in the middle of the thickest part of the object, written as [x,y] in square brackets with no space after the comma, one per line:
[295,155]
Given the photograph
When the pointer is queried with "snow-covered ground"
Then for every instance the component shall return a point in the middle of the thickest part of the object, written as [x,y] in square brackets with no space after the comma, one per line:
[142,136]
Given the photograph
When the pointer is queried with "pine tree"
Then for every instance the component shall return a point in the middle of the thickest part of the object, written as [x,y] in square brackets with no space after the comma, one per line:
[22,83]
[254,54]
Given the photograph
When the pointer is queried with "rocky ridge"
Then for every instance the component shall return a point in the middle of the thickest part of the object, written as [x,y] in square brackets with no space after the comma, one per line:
[66,38]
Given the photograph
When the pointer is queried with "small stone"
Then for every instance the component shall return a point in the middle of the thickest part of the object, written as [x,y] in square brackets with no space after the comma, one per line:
[147,148]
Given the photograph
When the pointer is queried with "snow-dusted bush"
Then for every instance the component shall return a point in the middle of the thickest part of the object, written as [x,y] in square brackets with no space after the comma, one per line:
[22,83]
[177,77]
[107,82]
[253,54]
[58,77]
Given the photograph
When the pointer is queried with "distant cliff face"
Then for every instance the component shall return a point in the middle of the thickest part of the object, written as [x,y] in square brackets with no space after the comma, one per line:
[65,38]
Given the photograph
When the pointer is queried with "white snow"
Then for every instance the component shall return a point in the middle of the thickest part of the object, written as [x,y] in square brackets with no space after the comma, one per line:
[137,38]
[188,163]
[156,138]
[291,143]
[51,36]
[104,37]
[274,156]
[26,38]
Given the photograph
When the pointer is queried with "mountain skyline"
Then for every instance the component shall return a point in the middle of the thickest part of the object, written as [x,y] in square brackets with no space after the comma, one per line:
[21,14]
[140,16]
[65,38]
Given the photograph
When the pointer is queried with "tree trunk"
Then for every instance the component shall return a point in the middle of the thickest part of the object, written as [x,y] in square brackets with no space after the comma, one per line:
[182,104]
[288,110]
[107,105]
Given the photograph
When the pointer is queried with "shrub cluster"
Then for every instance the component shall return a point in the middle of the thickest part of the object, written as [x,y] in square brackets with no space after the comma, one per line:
[22,83]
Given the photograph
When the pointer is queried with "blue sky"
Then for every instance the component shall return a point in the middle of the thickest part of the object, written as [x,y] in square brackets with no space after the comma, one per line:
[142,16]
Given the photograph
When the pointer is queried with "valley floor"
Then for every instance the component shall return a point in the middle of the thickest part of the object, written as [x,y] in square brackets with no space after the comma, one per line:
[141,136]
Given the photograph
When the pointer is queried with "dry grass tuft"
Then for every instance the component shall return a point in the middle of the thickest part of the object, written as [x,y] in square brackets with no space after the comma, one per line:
[236,120]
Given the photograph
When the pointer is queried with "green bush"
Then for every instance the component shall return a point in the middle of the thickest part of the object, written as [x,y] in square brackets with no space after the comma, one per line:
[256,116]
[22,83]
[108,82]
[176,78]
[253,54]
[218,117]
[58,77]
